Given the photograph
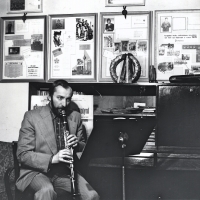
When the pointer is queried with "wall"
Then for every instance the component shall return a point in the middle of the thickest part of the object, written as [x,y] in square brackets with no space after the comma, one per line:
[13,104]
[98,6]
[14,97]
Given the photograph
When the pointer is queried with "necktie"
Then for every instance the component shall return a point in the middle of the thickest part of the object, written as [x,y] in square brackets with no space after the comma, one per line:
[62,129]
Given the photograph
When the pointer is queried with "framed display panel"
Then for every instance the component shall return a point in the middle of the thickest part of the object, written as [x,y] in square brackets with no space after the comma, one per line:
[73,47]
[24,6]
[120,35]
[23,56]
[125,3]
[177,43]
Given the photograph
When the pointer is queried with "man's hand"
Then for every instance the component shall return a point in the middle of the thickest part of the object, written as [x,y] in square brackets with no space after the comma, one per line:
[72,141]
[64,155]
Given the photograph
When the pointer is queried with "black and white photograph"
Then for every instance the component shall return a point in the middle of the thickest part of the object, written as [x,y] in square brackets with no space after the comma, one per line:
[166,24]
[108,41]
[84,29]
[125,45]
[99,100]
[117,47]
[58,39]
[24,6]
[37,42]
[9,27]
[109,25]
[14,50]
[58,24]
[132,46]
[17,5]
[185,56]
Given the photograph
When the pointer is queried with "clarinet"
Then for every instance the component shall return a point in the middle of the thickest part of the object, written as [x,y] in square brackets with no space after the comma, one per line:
[72,173]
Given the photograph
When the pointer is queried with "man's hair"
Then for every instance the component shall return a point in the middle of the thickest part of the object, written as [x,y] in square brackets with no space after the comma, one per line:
[56,83]
[108,19]
[57,33]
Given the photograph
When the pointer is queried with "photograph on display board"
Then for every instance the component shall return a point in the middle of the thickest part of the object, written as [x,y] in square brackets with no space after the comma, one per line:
[165,24]
[84,29]
[10,27]
[109,25]
[36,42]
[58,24]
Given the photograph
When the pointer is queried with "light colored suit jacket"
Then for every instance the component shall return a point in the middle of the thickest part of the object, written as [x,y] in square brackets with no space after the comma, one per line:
[37,142]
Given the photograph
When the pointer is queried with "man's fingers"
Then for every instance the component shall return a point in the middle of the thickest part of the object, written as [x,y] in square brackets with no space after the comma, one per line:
[66,160]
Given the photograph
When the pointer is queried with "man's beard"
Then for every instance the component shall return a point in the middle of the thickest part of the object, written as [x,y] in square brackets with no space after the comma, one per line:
[57,111]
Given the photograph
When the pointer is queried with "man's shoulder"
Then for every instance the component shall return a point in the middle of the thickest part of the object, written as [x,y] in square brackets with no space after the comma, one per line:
[39,110]
[74,115]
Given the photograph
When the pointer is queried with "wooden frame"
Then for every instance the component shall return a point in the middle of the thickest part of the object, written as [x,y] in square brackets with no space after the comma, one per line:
[23,44]
[177,39]
[24,6]
[73,47]
[134,32]
[125,3]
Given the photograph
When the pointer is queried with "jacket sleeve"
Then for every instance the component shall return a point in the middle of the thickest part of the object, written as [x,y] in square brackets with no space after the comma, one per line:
[80,135]
[26,154]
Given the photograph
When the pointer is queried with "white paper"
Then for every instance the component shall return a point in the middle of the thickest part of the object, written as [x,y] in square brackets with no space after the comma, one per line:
[33,5]
[139,21]
[134,34]
[37,101]
[122,23]
[85,104]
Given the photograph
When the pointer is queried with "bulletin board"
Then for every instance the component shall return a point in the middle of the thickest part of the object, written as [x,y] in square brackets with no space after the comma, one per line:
[120,35]
[73,47]
[177,43]
[23,48]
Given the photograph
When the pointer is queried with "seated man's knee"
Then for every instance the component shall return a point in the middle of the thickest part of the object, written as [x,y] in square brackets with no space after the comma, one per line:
[47,191]
[95,196]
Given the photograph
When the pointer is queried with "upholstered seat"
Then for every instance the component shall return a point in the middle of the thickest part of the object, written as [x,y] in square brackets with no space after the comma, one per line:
[6,161]
[9,181]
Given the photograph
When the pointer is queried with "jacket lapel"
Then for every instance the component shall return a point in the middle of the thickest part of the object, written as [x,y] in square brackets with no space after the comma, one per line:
[47,129]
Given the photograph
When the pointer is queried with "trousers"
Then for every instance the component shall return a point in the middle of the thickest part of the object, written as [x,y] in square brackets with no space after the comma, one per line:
[44,187]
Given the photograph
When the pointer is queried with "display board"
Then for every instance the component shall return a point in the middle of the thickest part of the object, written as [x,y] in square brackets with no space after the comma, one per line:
[23,48]
[73,47]
[177,47]
[120,35]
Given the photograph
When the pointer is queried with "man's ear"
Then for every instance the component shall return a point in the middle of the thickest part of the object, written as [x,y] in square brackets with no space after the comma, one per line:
[49,98]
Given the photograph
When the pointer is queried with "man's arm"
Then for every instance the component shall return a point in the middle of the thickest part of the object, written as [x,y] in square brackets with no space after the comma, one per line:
[79,134]
[26,154]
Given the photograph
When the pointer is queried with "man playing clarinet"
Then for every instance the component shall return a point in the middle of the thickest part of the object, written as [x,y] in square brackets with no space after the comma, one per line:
[44,159]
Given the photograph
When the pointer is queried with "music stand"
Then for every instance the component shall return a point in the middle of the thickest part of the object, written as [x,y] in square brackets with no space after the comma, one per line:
[105,141]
